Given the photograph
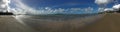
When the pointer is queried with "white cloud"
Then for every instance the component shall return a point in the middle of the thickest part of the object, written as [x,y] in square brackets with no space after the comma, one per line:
[109,9]
[4,5]
[22,8]
[89,9]
[116,6]
[101,9]
[102,2]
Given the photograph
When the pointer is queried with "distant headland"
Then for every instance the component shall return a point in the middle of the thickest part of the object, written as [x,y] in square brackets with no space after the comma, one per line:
[6,13]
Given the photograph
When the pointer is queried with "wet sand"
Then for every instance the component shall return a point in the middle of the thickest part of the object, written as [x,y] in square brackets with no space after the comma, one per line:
[108,23]
[10,24]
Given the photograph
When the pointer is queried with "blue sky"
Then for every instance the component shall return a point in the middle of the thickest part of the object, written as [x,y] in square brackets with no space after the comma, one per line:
[62,3]
[36,4]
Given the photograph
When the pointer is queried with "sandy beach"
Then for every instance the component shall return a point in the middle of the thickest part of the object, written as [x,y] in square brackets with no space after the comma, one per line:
[107,23]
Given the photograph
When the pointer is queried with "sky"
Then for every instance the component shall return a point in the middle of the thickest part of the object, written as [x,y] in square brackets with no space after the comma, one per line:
[62,3]
[59,3]
[59,6]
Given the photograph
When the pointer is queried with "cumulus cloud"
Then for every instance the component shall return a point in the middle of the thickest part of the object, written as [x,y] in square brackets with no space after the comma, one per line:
[102,2]
[4,5]
[116,6]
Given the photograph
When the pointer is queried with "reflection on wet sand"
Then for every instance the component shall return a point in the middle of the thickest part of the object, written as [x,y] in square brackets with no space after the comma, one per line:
[24,23]
[58,23]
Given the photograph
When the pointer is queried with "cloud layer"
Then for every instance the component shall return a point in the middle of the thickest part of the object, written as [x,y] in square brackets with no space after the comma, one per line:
[4,5]
[22,8]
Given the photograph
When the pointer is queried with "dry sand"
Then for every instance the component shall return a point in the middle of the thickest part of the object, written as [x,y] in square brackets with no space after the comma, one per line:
[108,23]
